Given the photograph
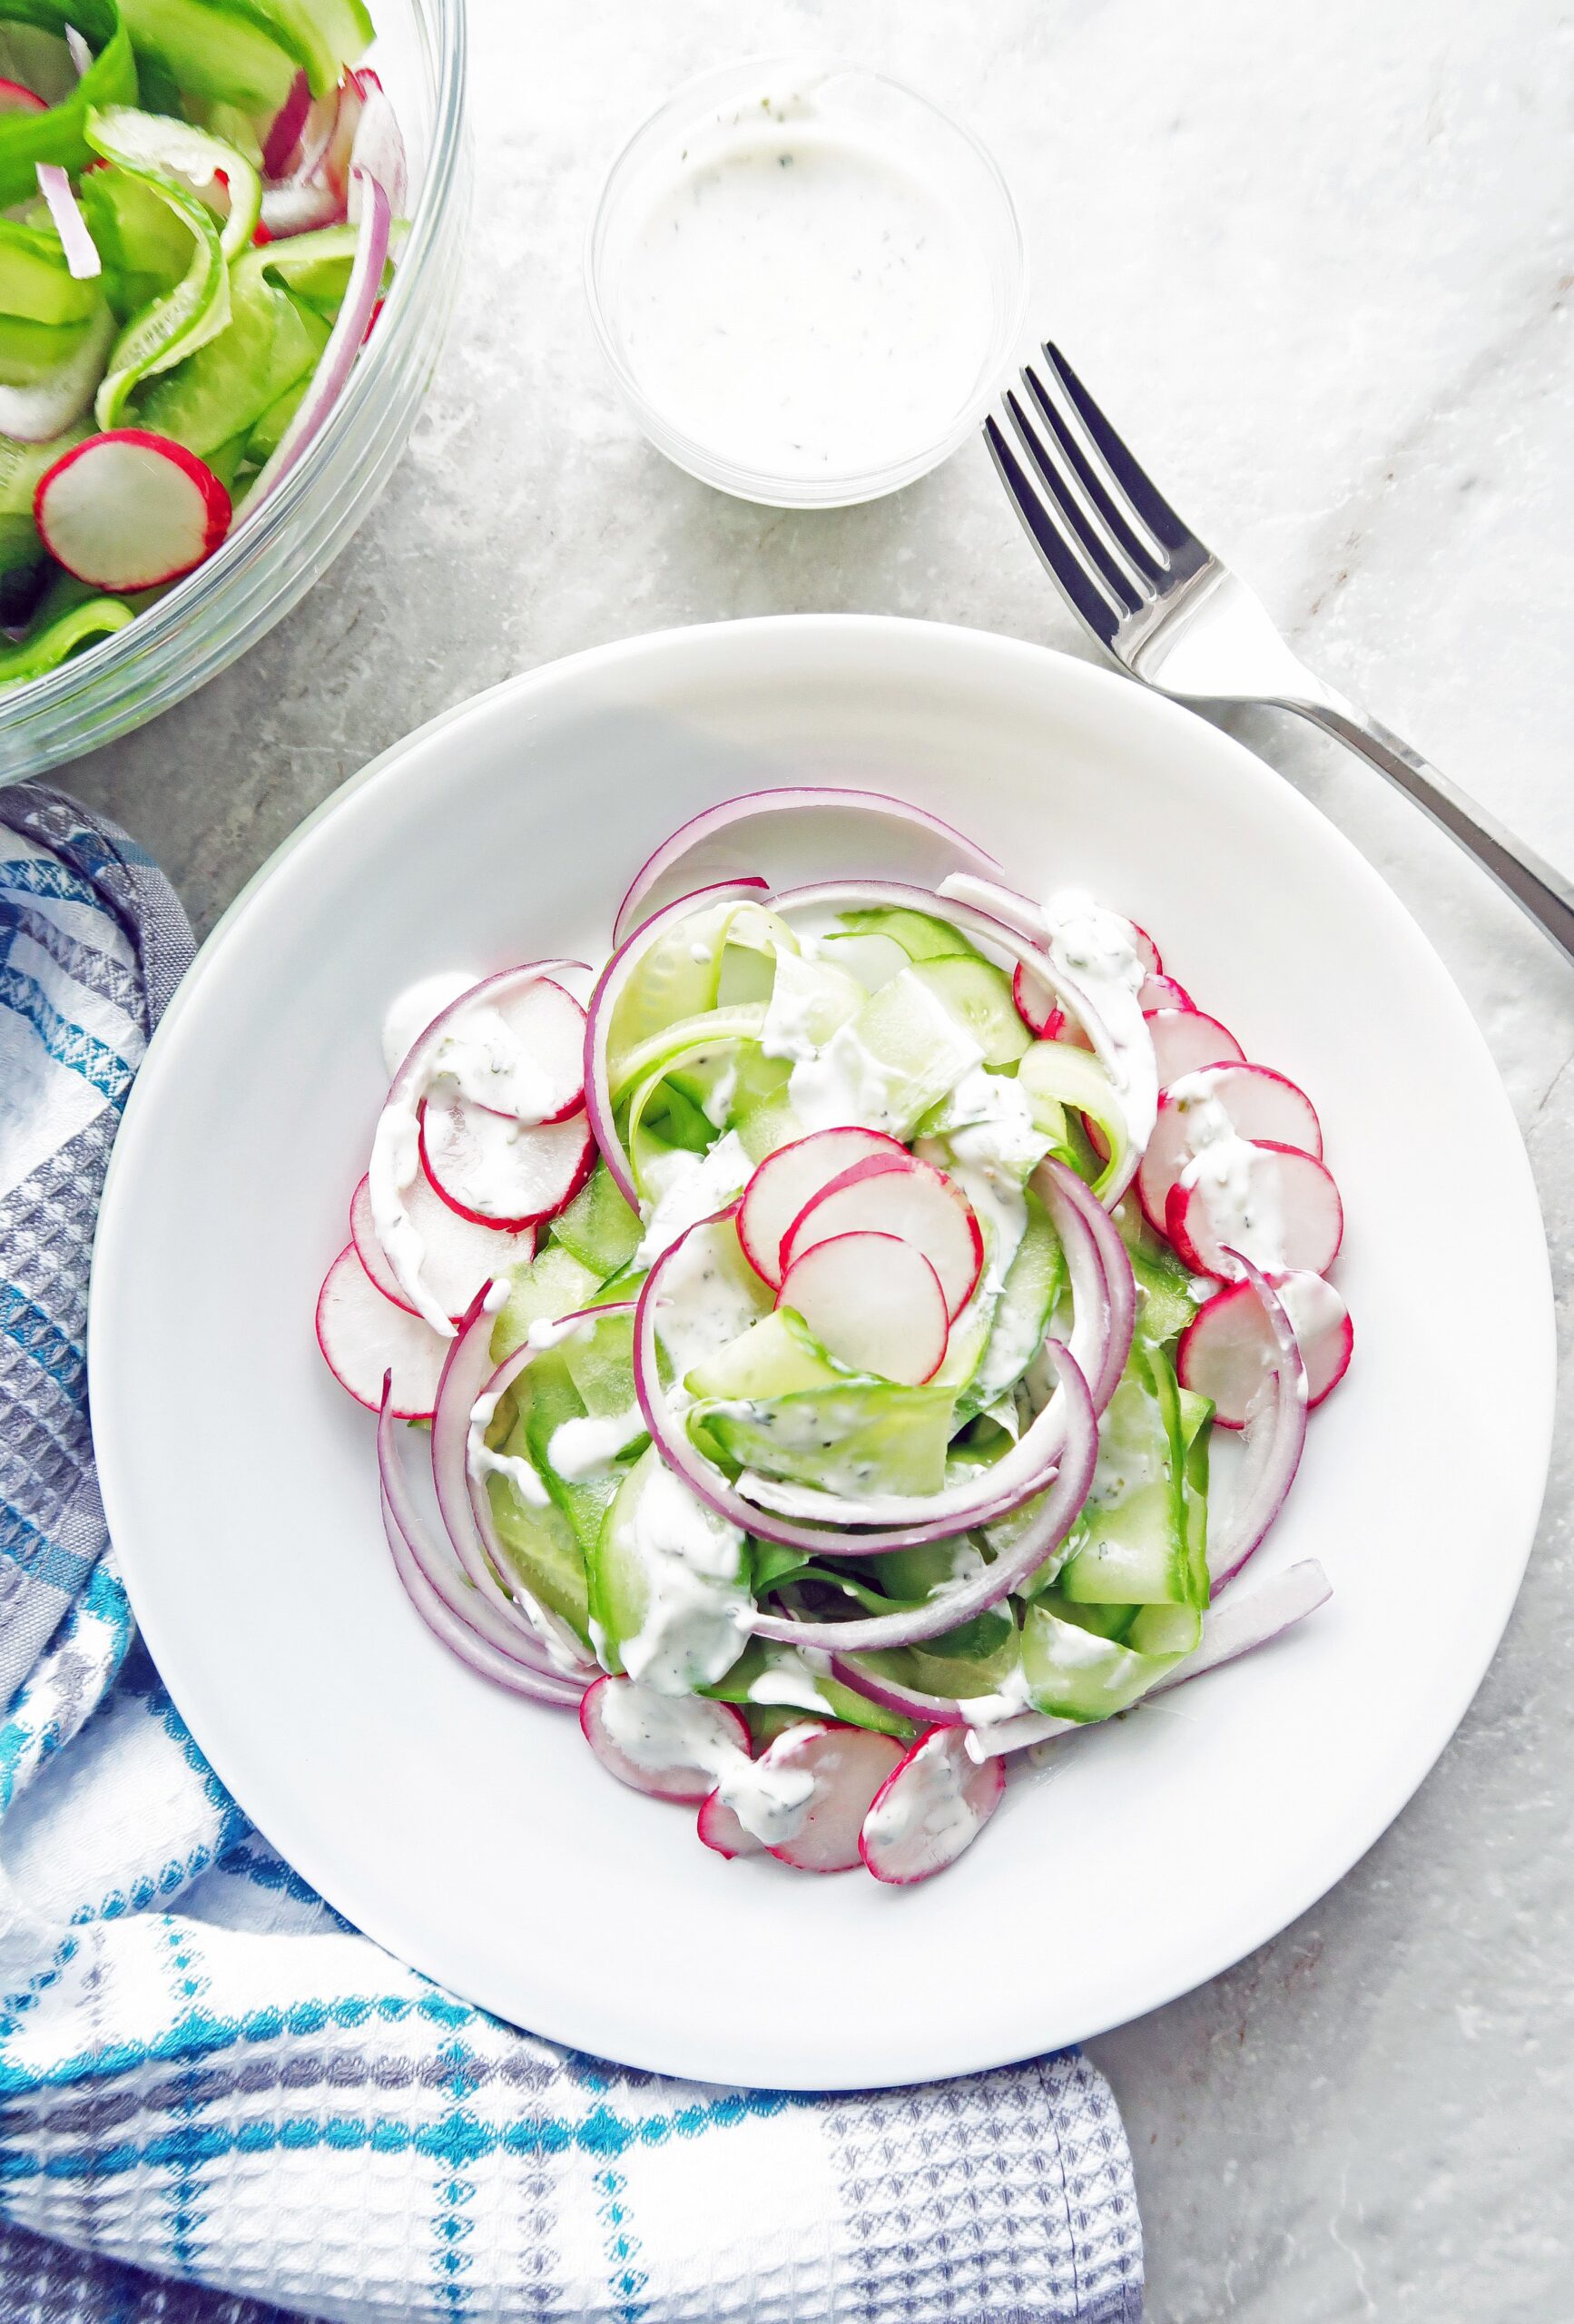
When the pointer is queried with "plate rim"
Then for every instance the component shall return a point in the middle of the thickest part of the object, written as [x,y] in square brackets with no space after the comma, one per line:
[1428,1740]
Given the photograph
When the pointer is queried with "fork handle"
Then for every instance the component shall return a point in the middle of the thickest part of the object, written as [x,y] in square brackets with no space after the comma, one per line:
[1535,886]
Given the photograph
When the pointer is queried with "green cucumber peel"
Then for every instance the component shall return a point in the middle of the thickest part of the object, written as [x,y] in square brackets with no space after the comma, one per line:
[37,285]
[152,146]
[59,135]
[218,50]
[267,351]
[322,36]
[54,640]
[175,326]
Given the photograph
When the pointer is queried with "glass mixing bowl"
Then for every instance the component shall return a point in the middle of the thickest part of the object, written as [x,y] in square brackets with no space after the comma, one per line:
[212,617]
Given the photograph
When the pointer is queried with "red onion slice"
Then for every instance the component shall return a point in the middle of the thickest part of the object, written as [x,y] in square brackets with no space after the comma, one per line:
[377,150]
[82,257]
[361,294]
[1275,1437]
[797,799]
[471,1629]
[908,1702]
[1236,1625]
[948,1609]
[610,986]
[284,132]
[80,55]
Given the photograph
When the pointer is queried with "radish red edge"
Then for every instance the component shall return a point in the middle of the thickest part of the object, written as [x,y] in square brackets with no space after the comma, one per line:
[1317,1186]
[900,1858]
[958,1228]
[760,1204]
[721,1830]
[848,1765]
[581,1168]
[100,509]
[684,1784]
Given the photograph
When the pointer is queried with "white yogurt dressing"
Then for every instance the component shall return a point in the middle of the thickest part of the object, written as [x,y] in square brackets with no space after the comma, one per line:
[1236,1182]
[697,1607]
[843,1084]
[1096,949]
[482,1461]
[928,1803]
[657,1731]
[796,299]
[586,1446]
[695,1185]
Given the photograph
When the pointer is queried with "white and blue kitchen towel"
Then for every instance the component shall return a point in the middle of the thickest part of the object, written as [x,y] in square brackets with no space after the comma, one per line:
[218,2101]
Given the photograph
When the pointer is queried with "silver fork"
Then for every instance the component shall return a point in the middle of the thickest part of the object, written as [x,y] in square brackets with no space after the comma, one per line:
[1144,586]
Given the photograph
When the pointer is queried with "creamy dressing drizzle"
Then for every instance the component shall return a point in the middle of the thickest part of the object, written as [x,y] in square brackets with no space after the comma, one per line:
[1095,948]
[584,1447]
[697,1605]
[658,1732]
[698,1185]
[1239,1195]
[482,1461]
[927,1803]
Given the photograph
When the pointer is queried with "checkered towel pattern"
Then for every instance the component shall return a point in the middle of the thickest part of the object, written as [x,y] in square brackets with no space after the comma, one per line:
[219,2104]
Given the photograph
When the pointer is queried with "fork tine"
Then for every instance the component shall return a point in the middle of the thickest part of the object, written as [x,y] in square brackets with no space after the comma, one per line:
[1087,476]
[1150,503]
[1094,611]
[1073,519]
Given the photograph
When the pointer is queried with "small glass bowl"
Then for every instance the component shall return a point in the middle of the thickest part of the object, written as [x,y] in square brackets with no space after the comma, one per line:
[898,121]
[206,621]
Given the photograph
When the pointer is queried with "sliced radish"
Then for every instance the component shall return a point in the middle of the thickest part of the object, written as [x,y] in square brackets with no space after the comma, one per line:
[130,510]
[1163,992]
[896,1194]
[1228,1350]
[720,1829]
[362,1335]
[848,1765]
[669,1746]
[873,1301]
[460,1255]
[1290,1220]
[14,98]
[791,1178]
[930,1807]
[1146,949]
[1260,1104]
[1183,1039]
[521,1054]
[502,1173]
[1036,1005]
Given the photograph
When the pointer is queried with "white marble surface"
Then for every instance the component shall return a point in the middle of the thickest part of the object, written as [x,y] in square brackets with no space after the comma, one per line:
[1317,256]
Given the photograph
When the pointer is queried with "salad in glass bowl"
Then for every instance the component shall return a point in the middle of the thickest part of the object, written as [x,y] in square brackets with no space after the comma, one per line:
[203,210]
[823,1332]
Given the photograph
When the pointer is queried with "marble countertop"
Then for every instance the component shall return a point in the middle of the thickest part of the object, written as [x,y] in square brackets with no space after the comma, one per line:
[1317,260]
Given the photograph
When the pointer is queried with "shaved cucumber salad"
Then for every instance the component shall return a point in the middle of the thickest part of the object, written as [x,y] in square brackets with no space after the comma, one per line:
[201,203]
[862,1339]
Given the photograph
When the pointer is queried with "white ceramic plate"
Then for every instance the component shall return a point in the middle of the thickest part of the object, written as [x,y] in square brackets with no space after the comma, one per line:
[475,1837]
